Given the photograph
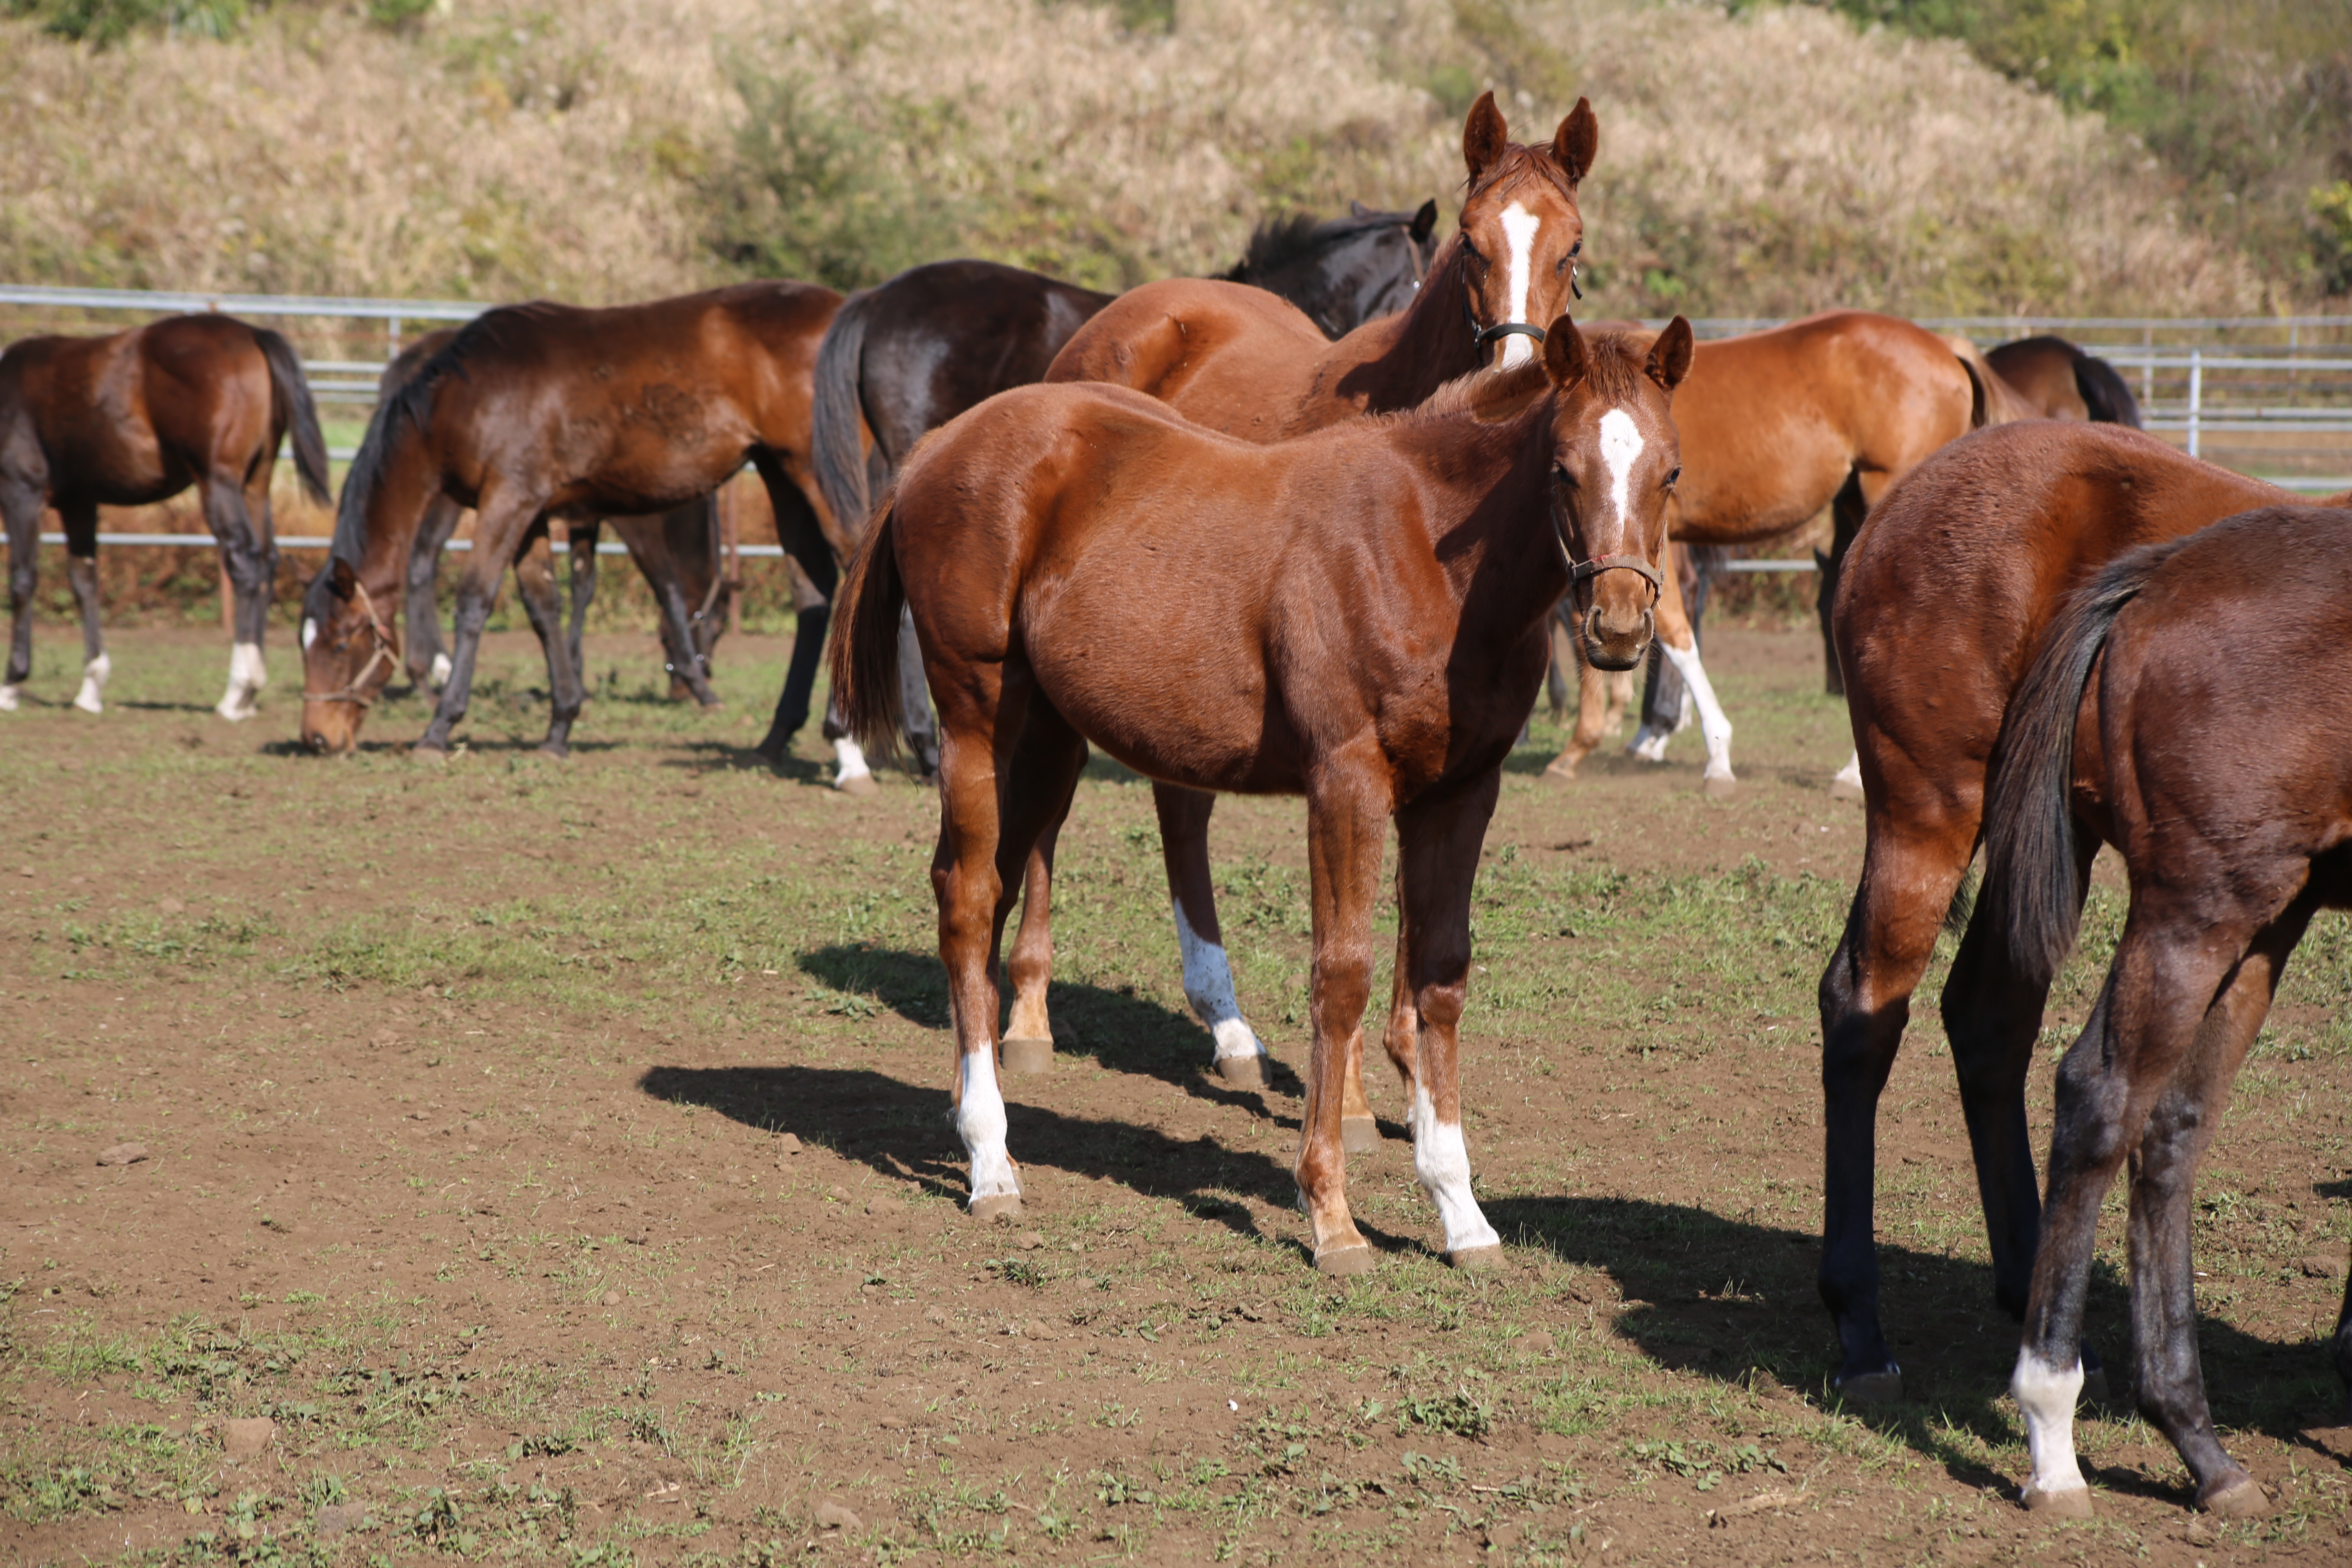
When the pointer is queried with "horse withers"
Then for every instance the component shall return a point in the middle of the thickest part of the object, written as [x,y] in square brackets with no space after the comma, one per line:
[1981,544]
[135,418]
[2129,729]
[1357,616]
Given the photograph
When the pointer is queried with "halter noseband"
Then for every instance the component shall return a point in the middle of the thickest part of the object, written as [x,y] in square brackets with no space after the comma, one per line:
[385,645]
[1481,336]
[1578,570]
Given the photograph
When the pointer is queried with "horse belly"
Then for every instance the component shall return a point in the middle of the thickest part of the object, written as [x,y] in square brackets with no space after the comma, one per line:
[1178,697]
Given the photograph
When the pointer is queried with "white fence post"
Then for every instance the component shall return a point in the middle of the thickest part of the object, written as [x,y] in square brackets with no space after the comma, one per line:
[2196,394]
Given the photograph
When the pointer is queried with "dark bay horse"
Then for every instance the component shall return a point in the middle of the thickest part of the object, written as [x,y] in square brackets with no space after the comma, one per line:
[906,356]
[1243,362]
[135,418]
[679,552]
[1357,615]
[543,410]
[1944,599]
[2130,728]
[2063,382]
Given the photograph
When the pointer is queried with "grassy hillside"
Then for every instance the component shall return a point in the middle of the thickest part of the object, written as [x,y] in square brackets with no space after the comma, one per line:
[1763,161]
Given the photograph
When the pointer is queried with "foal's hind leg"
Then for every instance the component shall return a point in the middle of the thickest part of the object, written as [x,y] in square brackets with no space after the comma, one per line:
[428,664]
[1239,1059]
[20,509]
[535,577]
[1046,764]
[583,552]
[81,571]
[252,570]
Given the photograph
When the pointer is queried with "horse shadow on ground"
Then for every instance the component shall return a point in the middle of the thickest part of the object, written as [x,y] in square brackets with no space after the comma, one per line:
[1712,1297]
[724,756]
[1120,1030]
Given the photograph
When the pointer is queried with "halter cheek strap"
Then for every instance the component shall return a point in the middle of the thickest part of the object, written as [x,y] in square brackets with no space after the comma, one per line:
[351,691]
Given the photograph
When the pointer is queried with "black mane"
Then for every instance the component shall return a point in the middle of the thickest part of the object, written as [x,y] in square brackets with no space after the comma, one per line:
[1281,242]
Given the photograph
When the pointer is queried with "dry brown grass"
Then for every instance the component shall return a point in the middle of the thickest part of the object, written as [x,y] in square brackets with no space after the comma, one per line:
[595,150]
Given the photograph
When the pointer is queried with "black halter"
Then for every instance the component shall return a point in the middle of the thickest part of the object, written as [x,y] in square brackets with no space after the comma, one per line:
[1481,336]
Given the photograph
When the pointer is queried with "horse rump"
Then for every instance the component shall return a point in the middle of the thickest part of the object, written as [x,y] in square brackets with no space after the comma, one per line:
[864,656]
[301,414]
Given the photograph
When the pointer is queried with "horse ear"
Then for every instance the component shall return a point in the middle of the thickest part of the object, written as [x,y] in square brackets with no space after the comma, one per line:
[1565,356]
[1576,142]
[1356,208]
[1424,222]
[1484,137]
[1670,355]
[341,578]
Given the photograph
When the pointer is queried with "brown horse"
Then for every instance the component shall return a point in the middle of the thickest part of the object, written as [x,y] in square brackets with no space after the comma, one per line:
[2061,381]
[542,410]
[1240,361]
[135,418]
[1357,616]
[2231,849]
[1776,425]
[1945,597]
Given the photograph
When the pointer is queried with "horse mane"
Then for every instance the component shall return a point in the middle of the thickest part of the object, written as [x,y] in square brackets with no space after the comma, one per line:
[1277,243]
[413,401]
[1616,367]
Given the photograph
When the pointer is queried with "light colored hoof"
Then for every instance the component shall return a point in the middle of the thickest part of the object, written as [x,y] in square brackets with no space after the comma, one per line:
[2241,1499]
[1340,1262]
[2074,1502]
[858,785]
[1846,789]
[10,697]
[1028,1055]
[432,756]
[89,703]
[235,713]
[1560,771]
[1719,788]
[1242,1072]
[1358,1134]
[1872,1387]
[1477,1259]
[1003,1206]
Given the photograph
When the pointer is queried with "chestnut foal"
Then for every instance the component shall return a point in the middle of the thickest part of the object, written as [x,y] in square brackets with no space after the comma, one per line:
[2130,728]
[1357,616]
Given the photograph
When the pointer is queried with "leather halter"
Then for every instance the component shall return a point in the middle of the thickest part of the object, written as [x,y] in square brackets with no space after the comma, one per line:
[385,645]
[1481,336]
[1579,571]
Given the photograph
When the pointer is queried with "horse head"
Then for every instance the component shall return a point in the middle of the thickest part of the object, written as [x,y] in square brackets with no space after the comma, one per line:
[348,653]
[1615,457]
[1521,232]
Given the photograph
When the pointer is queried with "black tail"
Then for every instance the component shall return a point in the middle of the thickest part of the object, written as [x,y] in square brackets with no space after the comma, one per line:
[2033,888]
[837,449]
[301,414]
[865,652]
[2105,392]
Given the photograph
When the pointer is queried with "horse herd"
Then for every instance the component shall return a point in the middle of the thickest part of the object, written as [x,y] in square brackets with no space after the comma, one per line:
[1310,529]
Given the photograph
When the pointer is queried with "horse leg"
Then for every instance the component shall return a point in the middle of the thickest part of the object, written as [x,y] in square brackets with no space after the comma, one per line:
[1593,691]
[915,701]
[20,509]
[583,539]
[1238,1059]
[1347,806]
[1679,642]
[804,541]
[428,665]
[1043,775]
[1909,874]
[499,526]
[1848,508]
[534,571]
[252,569]
[2147,1021]
[80,519]
[1437,862]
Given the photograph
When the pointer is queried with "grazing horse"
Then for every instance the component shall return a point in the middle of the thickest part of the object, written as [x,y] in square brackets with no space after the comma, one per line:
[1776,424]
[1944,599]
[678,551]
[1357,615]
[135,418]
[2231,849]
[1242,363]
[2063,382]
[906,356]
[543,410]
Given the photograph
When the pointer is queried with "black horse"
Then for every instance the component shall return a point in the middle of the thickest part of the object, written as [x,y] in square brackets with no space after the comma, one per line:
[906,356]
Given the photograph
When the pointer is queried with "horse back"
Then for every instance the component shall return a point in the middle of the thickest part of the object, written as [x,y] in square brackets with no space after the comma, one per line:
[1227,356]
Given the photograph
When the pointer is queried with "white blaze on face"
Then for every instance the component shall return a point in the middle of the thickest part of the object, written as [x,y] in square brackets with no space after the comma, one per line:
[1621,448]
[1519,228]
[1209,987]
[310,633]
[980,1120]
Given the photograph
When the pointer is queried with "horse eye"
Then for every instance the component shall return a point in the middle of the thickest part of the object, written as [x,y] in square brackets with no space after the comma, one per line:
[1562,476]
[1575,250]
[1672,477]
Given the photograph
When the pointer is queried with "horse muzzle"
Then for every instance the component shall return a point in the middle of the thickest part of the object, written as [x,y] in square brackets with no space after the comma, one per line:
[1615,638]
[332,729]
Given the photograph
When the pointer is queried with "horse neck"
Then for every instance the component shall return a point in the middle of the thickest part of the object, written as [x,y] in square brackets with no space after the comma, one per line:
[1490,516]
[406,477]
[1398,362]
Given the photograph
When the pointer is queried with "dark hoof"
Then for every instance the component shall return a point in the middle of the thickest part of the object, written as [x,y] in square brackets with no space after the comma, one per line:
[1342,1261]
[1005,1207]
[1883,1386]
[707,706]
[1477,1259]
[2074,1502]
[558,751]
[2234,1497]
[1358,1134]
[1242,1072]
[1028,1055]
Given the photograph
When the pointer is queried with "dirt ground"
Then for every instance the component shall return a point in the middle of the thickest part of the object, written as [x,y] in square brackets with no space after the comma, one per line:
[553,1157]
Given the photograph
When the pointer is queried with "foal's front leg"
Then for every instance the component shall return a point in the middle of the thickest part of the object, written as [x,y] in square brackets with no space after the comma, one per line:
[81,569]
[1348,805]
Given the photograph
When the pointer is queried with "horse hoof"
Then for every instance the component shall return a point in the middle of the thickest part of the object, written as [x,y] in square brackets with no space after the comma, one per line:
[1358,1134]
[859,784]
[1716,788]
[1846,789]
[435,756]
[1477,1259]
[1882,1387]
[2238,1497]
[1028,1055]
[9,695]
[1242,1072]
[1560,771]
[2074,1502]
[558,752]
[1005,1207]
[1339,1262]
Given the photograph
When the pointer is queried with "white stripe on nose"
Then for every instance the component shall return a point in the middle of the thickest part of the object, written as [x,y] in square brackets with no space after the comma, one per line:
[1621,448]
[1519,228]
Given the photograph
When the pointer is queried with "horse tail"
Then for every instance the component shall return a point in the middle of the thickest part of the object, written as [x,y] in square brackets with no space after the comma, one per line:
[2105,392]
[2033,887]
[293,390]
[865,652]
[836,450]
